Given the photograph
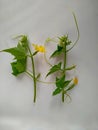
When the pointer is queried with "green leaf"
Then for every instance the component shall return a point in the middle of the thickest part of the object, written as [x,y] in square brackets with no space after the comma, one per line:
[20,51]
[20,56]
[67,83]
[21,47]
[70,68]
[70,87]
[59,48]
[34,53]
[18,66]
[61,84]
[24,39]
[17,52]
[56,91]
[24,42]
[57,52]
[54,69]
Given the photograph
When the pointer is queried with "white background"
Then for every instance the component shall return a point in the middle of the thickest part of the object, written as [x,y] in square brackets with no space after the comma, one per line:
[40,19]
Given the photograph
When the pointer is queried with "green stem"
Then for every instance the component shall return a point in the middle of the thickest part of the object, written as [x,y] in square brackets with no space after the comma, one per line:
[70,68]
[63,96]
[33,70]
[28,73]
[64,59]
[64,66]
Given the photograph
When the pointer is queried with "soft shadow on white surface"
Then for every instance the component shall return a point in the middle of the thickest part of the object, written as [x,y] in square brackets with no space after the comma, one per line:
[40,19]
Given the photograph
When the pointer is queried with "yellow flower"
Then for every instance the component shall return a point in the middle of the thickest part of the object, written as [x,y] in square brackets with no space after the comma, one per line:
[39,48]
[75,80]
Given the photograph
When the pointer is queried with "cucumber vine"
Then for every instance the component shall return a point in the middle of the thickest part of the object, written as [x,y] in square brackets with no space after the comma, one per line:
[23,51]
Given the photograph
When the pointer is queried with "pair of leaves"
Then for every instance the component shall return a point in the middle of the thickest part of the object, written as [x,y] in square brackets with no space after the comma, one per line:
[61,84]
[54,68]
[20,56]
